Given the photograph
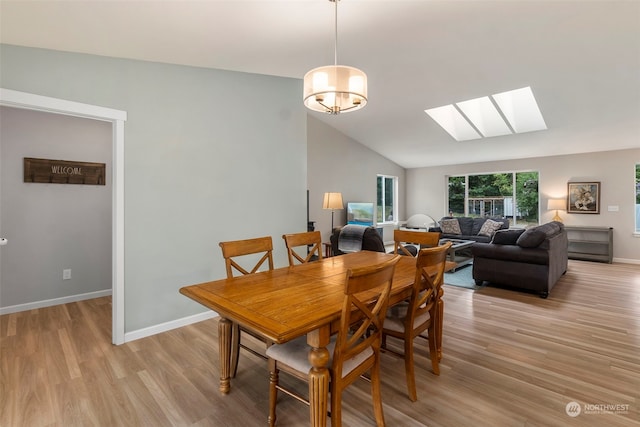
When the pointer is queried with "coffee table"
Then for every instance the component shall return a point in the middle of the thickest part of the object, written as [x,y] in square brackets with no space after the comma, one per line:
[457,253]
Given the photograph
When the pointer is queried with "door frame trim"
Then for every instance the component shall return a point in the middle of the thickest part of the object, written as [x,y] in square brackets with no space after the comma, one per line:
[16,99]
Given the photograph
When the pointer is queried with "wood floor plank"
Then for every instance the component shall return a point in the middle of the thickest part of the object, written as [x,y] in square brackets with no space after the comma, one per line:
[509,359]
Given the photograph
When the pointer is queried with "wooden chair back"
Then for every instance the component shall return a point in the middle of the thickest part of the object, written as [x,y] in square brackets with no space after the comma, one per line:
[366,297]
[311,239]
[430,266]
[232,250]
[427,239]
[424,312]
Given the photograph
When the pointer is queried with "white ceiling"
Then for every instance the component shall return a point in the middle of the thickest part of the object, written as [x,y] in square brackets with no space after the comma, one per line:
[581,59]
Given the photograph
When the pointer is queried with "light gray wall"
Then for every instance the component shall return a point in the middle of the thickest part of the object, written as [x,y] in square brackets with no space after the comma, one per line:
[615,170]
[52,227]
[337,163]
[206,160]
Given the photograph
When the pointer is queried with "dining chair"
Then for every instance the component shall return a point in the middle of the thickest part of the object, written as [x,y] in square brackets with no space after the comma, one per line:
[236,254]
[423,312]
[311,239]
[353,351]
[404,239]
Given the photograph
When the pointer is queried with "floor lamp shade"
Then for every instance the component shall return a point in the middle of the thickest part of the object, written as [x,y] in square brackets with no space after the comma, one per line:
[332,201]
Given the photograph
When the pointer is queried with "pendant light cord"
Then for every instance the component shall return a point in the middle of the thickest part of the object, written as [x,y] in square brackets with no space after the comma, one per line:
[335,57]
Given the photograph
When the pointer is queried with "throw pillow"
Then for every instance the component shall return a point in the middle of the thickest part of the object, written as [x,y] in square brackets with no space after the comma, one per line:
[507,237]
[489,227]
[450,226]
[531,238]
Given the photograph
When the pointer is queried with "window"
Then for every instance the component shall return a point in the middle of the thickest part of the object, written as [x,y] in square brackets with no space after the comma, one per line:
[638,198]
[512,195]
[387,210]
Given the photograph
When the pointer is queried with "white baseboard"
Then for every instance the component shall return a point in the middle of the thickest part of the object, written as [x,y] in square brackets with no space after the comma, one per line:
[54,301]
[626,260]
[167,326]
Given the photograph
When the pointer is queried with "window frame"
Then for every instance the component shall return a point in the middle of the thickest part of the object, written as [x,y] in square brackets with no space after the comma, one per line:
[637,200]
[513,218]
[394,206]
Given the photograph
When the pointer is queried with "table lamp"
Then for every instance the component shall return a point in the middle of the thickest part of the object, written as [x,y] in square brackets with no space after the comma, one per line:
[332,201]
[556,204]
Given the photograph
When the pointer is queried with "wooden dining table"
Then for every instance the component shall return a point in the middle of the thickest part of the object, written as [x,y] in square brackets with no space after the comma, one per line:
[290,302]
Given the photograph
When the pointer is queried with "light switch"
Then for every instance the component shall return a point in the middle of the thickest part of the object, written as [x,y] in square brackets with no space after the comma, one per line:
[613,208]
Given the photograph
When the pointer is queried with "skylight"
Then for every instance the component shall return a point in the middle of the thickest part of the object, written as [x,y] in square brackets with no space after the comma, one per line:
[515,111]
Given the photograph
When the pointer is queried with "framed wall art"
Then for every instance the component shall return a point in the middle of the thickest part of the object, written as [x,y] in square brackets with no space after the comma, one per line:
[583,197]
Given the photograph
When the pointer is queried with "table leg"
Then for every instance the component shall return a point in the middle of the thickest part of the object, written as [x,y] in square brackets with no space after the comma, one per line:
[440,320]
[318,377]
[224,345]
[452,258]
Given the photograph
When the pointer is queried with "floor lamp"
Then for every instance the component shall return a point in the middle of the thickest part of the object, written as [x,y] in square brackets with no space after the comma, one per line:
[332,201]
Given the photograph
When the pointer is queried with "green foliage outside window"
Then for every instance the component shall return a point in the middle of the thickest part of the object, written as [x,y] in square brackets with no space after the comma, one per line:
[638,198]
[493,194]
[456,195]
[527,196]
[638,185]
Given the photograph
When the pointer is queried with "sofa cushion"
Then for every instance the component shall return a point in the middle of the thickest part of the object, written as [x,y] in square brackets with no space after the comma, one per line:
[466,225]
[450,226]
[507,237]
[477,225]
[551,228]
[534,237]
[512,253]
[489,227]
[531,238]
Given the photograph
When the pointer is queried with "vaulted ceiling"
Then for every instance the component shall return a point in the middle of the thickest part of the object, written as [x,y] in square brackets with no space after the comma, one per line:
[580,58]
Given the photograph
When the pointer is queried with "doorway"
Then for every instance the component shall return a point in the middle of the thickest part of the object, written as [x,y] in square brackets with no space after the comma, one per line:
[117,118]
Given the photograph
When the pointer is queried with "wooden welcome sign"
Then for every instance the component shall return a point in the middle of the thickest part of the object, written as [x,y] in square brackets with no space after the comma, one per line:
[63,172]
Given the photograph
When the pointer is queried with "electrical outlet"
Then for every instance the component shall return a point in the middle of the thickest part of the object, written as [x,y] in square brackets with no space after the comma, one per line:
[66,274]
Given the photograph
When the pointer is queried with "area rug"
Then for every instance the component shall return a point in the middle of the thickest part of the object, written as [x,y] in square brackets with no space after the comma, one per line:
[462,278]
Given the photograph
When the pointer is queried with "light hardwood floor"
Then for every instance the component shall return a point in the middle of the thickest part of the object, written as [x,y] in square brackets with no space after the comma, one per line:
[509,359]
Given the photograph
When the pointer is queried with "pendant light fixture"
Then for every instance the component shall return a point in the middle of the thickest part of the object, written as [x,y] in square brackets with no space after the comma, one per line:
[335,89]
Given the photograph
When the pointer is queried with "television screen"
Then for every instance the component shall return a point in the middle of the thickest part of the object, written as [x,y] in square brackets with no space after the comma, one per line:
[360,213]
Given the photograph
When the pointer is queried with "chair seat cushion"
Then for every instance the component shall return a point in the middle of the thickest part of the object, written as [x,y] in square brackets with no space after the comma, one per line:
[396,315]
[295,354]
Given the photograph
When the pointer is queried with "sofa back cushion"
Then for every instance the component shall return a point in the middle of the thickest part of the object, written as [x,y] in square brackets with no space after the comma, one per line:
[533,237]
[466,225]
[507,237]
[477,225]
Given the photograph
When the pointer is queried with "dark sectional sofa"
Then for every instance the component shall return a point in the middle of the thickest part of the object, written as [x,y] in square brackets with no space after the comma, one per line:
[469,228]
[532,259]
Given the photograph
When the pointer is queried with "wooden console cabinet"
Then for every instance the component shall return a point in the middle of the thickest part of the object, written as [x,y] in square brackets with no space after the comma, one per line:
[590,243]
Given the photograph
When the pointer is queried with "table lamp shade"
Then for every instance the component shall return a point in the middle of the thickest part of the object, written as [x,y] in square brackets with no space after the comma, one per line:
[556,204]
